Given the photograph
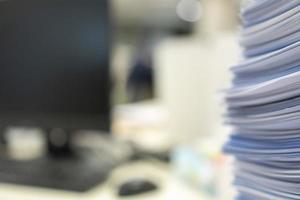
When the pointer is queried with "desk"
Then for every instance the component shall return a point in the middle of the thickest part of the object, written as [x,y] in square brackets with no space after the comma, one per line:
[171,188]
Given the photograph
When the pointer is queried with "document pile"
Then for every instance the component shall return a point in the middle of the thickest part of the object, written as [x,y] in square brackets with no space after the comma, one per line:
[264,103]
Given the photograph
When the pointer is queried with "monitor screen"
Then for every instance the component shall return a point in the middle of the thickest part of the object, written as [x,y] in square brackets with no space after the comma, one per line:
[54,63]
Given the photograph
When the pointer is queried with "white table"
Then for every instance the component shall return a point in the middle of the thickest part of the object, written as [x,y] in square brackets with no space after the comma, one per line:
[171,188]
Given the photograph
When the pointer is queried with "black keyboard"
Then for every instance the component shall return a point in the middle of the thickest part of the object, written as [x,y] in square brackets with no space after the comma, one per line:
[77,173]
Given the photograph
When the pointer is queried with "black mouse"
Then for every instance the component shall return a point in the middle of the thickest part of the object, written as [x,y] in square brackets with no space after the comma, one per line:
[136,187]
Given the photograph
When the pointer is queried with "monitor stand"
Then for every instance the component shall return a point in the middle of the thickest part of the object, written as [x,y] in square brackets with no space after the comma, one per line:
[59,143]
[65,166]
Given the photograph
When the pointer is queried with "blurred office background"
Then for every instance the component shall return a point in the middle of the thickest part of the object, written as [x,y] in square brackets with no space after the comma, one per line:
[189,46]
[170,62]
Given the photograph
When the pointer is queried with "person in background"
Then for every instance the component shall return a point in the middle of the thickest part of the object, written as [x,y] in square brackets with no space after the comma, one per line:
[140,83]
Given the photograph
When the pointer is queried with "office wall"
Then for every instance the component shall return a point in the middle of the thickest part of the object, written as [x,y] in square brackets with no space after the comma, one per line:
[191,75]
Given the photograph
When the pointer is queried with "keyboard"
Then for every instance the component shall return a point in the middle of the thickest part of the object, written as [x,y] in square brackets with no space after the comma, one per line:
[76,173]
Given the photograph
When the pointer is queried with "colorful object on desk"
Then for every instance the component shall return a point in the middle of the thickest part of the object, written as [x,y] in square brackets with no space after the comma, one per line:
[199,168]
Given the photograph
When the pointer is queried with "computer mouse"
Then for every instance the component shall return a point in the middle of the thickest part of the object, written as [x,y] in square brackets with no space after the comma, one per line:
[136,187]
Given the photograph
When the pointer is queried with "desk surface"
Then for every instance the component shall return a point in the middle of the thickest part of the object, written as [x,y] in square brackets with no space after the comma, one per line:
[171,188]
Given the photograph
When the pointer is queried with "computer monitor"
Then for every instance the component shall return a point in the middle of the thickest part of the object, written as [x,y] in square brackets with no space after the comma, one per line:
[54,63]
[54,66]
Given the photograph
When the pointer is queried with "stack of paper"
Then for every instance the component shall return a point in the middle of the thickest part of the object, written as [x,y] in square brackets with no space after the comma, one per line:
[264,102]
